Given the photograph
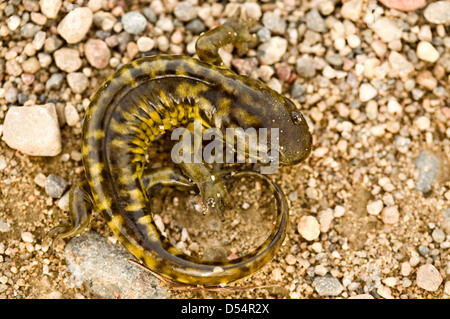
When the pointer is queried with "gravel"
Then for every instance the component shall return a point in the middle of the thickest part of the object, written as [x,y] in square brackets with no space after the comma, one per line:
[369,206]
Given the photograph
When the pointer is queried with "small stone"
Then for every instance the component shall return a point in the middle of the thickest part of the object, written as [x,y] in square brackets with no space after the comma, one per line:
[367,92]
[67,59]
[387,29]
[375,207]
[438,12]
[427,52]
[4,226]
[55,185]
[31,65]
[71,115]
[305,67]
[274,22]
[272,51]
[428,277]
[390,215]
[384,292]
[39,179]
[75,25]
[403,5]
[438,235]
[328,286]
[38,18]
[308,227]
[54,82]
[351,10]
[406,269]
[185,11]
[29,30]
[422,123]
[446,220]
[13,22]
[63,202]
[400,65]
[134,22]
[27,237]
[428,165]
[426,79]
[252,10]
[33,130]
[97,53]
[447,288]
[39,39]
[50,8]
[77,81]
[145,44]
[12,67]
[315,22]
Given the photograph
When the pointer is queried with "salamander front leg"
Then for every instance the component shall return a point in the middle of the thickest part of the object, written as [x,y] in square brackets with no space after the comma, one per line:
[234,31]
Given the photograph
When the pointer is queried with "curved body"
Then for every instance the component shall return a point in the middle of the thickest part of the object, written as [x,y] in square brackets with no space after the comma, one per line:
[139,102]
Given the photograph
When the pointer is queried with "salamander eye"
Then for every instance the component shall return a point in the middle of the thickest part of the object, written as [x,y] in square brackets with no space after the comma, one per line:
[297,117]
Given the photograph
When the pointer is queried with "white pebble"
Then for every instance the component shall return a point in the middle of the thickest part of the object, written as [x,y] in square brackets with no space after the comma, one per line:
[374,207]
[428,277]
[427,52]
[308,227]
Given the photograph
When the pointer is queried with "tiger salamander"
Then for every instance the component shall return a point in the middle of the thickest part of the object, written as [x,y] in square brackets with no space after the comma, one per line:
[151,95]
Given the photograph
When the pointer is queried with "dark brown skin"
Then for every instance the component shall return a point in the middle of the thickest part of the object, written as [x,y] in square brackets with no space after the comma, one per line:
[154,94]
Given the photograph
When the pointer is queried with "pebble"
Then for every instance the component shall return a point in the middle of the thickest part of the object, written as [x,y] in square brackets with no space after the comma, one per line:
[315,22]
[71,115]
[55,185]
[134,22]
[75,25]
[33,130]
[29,30]
[50,8]
[274,23]
[97,53]
[400,65]
[252,10]
[438,235]
[367,92]
[67,59]
[428,165]
[272,51]
[39,39]
[27,237]
[403,5]
[4,226]
[31,65]
[328,286]
[105,268]
[384,292]
[145,44]
[446,220]
[54,82]
[375,207]
[13,68]
[185,11]
[305,67]
[77,81]
[426,79]
[387,29]
[308,227]
[428,277]
[362,296]
[13,22]
[438,12]
[390,215]
[427,52]
[351,10]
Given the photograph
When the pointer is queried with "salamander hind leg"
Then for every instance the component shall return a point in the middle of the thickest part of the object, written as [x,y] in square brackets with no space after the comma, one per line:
[234,31]
[80,211]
